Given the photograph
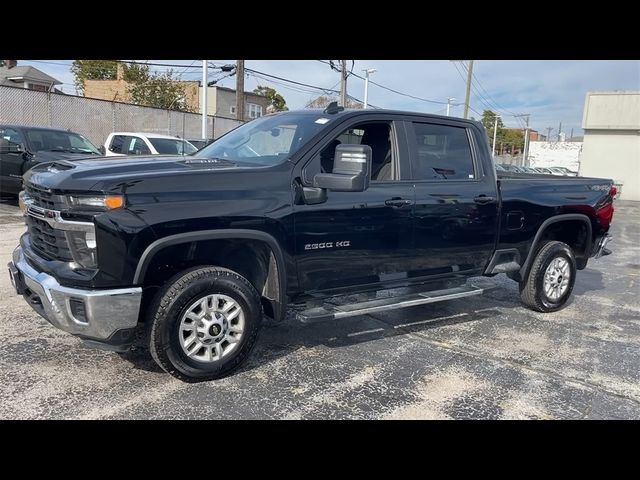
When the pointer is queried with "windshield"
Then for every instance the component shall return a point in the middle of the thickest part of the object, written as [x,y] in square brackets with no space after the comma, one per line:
[268,140]
[54,141]
[170,146]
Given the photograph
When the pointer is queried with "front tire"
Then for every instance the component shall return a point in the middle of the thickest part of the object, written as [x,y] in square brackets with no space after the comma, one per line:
[550,281]
[204,323]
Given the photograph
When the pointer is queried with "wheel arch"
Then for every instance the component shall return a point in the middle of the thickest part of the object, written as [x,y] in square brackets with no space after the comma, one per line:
[275,278]
[581,257]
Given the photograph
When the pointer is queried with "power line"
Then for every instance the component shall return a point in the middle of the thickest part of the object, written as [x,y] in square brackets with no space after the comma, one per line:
[390,89]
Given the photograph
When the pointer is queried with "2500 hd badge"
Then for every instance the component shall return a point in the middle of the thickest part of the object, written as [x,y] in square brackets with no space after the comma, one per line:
[316,246]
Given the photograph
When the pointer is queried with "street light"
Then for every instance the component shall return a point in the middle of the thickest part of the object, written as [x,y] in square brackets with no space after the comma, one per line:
[449,104]
[367,71]
[495,131]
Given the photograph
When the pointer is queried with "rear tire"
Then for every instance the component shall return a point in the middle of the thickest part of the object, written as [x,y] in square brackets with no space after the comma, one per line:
[550,281]
[204,323]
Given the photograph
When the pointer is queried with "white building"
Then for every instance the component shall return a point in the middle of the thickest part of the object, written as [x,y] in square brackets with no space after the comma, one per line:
[611,149]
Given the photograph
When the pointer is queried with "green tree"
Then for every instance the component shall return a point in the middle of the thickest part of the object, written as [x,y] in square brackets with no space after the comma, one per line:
[489,121]
[93,70]
[159,90]
[513,137]
[276,101]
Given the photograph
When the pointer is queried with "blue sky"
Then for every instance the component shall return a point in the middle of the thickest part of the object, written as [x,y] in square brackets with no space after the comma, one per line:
[551,91]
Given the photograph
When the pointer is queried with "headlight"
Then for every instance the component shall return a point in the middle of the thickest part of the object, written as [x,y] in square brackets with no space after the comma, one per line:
[96,202]
[83,248]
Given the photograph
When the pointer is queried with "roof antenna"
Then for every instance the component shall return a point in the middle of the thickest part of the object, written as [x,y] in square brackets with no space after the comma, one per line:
[333,108]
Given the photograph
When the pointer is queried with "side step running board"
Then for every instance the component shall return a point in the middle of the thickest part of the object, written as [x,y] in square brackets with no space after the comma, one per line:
[334,312]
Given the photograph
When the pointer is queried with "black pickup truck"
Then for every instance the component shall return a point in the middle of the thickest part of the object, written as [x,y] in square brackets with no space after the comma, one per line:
[22,147]
[189,253]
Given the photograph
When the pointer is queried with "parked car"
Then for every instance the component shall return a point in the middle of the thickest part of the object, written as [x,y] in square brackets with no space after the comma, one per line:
[544,170]
[130,143]
[199,143]
[512,168]
[22,147]
[563,171]
[289,210]
[499,168]
[528,169]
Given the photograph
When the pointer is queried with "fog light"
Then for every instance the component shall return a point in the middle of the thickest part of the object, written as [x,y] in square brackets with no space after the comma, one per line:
[78,310]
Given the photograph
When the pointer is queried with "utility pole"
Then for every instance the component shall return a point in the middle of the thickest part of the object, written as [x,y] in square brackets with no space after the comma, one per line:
[571,135]
[525,153]
[449,104]
[559,130]
[343,84]
[367,71]
[468,94]
[205,89]
[495,131]
[240,90]
[549,134]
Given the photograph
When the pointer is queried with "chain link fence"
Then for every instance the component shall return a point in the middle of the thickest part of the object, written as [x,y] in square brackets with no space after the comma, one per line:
[96,119]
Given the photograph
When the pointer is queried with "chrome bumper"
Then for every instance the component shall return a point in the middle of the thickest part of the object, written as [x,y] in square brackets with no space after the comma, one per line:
[98,315]
[601,251]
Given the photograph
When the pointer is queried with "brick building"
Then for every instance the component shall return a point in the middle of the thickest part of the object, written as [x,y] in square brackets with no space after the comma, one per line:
[221,101]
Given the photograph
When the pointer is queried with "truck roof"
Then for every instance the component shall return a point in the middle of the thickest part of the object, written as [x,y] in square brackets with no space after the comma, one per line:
[349,112]
[36,127]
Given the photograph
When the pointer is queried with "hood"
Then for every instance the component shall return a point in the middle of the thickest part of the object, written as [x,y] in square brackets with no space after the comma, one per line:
[113,173]
[43,156]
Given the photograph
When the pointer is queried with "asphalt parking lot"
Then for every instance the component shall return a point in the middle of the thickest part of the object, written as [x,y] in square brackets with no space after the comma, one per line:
[476,358]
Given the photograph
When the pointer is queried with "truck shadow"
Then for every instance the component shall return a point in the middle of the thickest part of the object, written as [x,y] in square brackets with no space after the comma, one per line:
[278,340]
[588,280]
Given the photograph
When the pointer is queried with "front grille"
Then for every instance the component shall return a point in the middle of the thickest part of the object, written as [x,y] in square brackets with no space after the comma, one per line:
[43,198]
[47,241]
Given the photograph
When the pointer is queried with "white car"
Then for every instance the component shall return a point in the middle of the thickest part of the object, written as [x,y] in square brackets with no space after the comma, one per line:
[130,143]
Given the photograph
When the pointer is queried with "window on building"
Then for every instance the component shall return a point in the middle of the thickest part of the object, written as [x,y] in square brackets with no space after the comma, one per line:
[442,152]
[254,110]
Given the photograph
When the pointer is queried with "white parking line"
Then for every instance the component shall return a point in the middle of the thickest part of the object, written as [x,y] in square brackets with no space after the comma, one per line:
[364,332]
[402,325]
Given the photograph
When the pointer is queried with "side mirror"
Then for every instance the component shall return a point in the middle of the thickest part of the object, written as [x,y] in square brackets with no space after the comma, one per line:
[9,147]
[101,149]
[351,170]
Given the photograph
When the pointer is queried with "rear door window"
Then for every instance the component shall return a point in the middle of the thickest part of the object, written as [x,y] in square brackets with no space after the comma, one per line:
[441,152]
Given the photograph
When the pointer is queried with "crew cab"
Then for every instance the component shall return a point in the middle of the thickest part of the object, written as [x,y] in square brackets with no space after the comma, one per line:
[22,147]
[187,254]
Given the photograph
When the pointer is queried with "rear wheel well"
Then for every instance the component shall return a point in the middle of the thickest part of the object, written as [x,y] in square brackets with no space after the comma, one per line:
[575,232]
[572,232]
[253,259]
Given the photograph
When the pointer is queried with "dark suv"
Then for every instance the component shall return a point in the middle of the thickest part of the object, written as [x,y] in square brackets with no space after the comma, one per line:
[22,147]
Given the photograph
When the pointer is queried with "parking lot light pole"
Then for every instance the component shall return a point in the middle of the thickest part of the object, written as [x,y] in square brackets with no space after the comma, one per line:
[205,88]
[449,104]
[367,71]
[495,131]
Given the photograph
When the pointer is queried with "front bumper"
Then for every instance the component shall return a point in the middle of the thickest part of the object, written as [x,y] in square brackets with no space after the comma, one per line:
[104,318]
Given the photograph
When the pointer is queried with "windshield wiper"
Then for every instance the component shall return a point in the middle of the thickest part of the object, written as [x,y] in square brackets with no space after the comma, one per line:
[68,150]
